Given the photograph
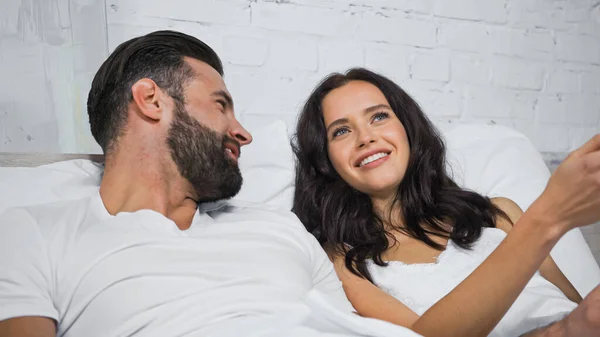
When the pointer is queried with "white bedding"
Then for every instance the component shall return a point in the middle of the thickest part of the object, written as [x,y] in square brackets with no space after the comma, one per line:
[490,159]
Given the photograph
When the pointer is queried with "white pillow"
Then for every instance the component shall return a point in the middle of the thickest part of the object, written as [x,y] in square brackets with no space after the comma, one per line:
[266,165]
[495,161]
[492,160]
[67,180]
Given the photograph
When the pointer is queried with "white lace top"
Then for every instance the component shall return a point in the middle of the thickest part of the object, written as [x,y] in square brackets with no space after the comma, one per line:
[421,285]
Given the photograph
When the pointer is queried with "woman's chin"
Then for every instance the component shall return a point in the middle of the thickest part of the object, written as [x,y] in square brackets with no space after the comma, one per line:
[382,191]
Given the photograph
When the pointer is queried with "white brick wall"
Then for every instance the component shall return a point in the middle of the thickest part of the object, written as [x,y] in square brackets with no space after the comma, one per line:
[49,52]
[530,64]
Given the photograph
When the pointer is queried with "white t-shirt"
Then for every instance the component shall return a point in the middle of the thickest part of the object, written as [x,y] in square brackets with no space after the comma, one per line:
[240,270]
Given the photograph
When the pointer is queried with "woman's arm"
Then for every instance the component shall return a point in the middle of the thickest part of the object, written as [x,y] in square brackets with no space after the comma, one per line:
[499,280]
[476,305]
[370,301]
[548,269]
[571,199]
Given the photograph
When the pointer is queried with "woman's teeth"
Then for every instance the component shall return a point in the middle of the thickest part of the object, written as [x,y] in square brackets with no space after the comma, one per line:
[373,158]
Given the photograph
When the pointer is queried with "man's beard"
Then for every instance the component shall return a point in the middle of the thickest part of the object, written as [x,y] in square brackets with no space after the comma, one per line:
[200,156]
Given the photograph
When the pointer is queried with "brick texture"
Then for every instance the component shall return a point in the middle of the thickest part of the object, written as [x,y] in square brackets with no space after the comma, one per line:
[530,64]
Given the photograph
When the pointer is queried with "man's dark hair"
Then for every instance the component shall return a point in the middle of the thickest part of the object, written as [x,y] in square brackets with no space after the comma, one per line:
[158,56]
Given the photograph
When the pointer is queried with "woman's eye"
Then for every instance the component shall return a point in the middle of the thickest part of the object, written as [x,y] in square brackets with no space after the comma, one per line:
[339,132]
[380,115]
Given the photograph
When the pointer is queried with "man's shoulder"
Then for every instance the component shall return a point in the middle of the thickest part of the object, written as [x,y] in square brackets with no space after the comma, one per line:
[236,210]
[44,213]
[53,205]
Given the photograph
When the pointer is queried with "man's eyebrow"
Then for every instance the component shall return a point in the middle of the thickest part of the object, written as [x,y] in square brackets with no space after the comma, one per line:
[223,94]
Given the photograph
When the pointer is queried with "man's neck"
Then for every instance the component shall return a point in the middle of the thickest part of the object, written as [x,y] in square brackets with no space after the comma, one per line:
[133,183]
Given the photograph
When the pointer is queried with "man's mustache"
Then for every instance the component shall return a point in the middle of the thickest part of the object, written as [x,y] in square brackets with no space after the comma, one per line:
[229,140]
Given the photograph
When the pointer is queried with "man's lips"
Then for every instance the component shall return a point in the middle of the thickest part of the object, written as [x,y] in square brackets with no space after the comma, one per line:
[234,148]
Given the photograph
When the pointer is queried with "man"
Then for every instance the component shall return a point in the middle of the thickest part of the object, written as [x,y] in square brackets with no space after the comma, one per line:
[153,254]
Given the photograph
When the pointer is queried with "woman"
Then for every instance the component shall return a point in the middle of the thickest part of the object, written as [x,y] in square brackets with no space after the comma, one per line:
[372,186]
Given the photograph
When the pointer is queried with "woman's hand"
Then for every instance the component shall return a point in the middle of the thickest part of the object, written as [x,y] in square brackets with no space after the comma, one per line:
[572,196]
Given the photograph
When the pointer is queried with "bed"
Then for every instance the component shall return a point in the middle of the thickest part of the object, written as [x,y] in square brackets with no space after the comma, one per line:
[490,159]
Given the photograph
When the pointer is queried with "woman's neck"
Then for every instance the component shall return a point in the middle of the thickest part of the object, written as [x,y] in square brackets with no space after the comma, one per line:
[390,211]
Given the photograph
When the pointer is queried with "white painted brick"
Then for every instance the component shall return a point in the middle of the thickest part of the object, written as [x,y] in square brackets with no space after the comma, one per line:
[444,123]
[210,34]
[590,81]
[423,92]
[431,66]
[471,69]
[39,22]
[517,73]
[551,109]
[64,15]
[577,48]
[302,19]
[580,135]
[268,93]
[522,43]
[590,27]
[413,86]
[526,127]
[453,33]
[82,135]
[128,15]
[238,80]
[89,45]
[504,65]
[583,109]
[417,6]
[118,33]
[9,18]
[523,108]
[19,58]
[444,104]
[400,30]
[476,10]
[245,50]
[22,135]
[253,122]
[297,52]
[390,61]
[330,4]
[536,14]
[550,138]
[487,101]
[339,56]
[511,123]
[577,15]
[88,25]
[569,110]
[562,81]
[211,11]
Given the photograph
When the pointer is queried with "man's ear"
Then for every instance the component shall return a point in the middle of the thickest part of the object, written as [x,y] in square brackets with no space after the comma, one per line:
[146,97]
